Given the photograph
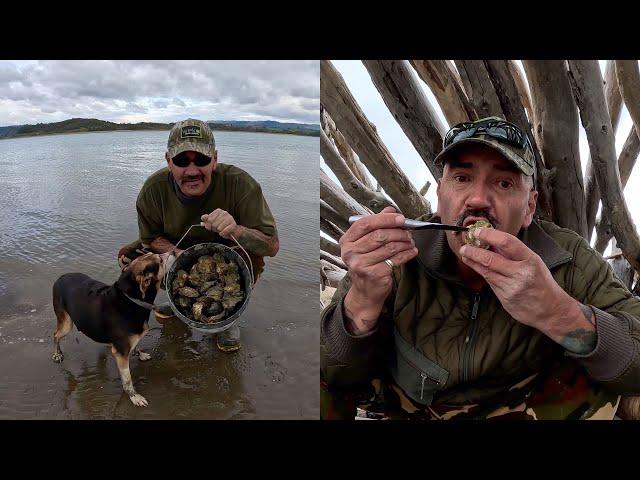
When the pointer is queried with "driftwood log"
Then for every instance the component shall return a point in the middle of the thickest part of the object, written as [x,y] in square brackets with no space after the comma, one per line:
[513,109]
[349,157]
[614,104]
[586,83]
[556,131]
[409,106]
[368,197]
[365,141]
[479,89]
[442,79]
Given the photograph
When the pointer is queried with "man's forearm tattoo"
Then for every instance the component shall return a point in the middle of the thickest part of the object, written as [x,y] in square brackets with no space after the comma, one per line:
[353,328]
[257,242]
[581,341]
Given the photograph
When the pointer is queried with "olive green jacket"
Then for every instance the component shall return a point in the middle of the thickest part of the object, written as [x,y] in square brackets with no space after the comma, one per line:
[443,344]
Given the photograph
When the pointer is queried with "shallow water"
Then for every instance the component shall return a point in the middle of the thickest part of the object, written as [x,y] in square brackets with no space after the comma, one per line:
[68,204]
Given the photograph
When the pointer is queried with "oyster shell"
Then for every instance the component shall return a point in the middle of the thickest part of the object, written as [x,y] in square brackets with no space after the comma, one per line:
[470,237]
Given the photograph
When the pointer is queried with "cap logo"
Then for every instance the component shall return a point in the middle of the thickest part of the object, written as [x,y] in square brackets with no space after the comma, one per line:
[192,131]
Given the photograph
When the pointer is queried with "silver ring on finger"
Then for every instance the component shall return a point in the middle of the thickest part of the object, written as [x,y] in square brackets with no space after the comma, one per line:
[390,263]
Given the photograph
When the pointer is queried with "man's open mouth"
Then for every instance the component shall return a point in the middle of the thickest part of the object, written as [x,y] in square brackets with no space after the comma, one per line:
[471,219]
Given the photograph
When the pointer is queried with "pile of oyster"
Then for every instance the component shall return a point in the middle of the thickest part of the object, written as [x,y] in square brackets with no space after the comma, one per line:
[210,290]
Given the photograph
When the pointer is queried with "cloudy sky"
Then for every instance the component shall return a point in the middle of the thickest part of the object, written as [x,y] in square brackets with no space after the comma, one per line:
[159,91]
[364,91]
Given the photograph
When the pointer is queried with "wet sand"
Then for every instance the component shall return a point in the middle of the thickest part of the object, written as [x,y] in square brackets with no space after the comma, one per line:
[187,377]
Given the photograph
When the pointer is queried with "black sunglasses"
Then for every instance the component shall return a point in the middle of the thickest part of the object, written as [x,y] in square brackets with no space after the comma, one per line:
[499,129]
[182,160]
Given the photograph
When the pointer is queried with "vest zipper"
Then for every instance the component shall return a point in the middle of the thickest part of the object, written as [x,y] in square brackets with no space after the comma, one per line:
[470,338]
[423,374]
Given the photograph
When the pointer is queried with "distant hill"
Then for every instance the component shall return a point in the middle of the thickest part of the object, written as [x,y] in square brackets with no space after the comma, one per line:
[266,124]
[77,125]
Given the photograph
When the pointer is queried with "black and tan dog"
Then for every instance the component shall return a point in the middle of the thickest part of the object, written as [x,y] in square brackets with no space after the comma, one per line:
[113,314]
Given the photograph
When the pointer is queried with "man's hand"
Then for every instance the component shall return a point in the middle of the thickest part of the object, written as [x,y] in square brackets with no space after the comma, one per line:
[527,291]
[364,249]
[220,221]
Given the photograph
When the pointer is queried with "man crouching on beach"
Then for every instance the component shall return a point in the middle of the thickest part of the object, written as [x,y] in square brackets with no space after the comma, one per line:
[195,188]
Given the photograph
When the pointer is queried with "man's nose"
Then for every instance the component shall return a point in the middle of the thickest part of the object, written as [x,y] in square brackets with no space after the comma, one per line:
[191,169]
[479,196]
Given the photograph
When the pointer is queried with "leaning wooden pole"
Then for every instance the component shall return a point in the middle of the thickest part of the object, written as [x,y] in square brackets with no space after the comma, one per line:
[614,105]
[365,141]
[440,78]
[556,124]
[628,76]
[586,83]
[509,98]
[626,161]
[329,228]
[354,187]
[408,104]
[346,152]
[479,89]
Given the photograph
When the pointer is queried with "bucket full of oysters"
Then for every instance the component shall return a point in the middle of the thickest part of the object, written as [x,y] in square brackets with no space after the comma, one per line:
[209,286]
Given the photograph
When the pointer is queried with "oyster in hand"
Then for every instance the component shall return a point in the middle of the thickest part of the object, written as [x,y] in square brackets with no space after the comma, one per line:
[470,234]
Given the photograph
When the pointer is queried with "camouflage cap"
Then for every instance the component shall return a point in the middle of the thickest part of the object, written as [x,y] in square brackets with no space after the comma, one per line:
[191,135]
[515,146]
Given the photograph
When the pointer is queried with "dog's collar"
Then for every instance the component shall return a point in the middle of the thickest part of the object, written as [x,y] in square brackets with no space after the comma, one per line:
[148,306]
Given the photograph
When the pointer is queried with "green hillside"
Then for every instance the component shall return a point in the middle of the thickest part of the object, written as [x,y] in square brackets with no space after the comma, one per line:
[78,125]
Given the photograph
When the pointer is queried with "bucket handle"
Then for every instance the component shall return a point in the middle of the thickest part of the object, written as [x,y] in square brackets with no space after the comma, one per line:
[201,224]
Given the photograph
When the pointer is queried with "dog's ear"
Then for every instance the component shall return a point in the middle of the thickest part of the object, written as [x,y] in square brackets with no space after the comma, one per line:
[124,262]
[145,282]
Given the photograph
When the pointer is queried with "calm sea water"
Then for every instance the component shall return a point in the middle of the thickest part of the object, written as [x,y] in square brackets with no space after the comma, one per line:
[67,203]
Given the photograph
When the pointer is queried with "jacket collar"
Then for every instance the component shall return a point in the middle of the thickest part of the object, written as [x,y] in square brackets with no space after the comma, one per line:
[437,258]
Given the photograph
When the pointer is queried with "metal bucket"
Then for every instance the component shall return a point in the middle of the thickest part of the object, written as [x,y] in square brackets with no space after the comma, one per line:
[190,256]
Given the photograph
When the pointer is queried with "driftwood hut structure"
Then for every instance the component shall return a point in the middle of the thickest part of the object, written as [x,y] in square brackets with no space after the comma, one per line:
[549,101]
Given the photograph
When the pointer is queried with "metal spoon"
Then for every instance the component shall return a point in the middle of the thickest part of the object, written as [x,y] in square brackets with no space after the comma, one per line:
[418,225]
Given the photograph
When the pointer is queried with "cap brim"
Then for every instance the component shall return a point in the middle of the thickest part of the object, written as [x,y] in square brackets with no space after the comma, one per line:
[205,149]
[505,151]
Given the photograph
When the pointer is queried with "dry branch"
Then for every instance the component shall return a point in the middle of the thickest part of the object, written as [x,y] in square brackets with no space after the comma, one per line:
[346,152]
[509,98]
[622,83]
[328,228]
[328,213]
[332,274]
[479,89]
[441,79]
[354,187]
[614,105]
[425,188]
[410,107]
[626,162]
[337,261]
[523,91]
[587,86]
[338,198]
[556,127]
[365,141]
[329,246]
[628,76]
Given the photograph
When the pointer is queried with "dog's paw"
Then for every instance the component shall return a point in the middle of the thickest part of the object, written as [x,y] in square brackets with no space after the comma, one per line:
[57,357]
[138,400]
[144,356]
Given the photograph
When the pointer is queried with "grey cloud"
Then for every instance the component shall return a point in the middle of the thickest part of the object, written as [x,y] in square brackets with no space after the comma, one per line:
[162,90]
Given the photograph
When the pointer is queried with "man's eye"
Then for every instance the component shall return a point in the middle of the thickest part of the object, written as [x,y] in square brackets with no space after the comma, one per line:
[460,178]
[505,184]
